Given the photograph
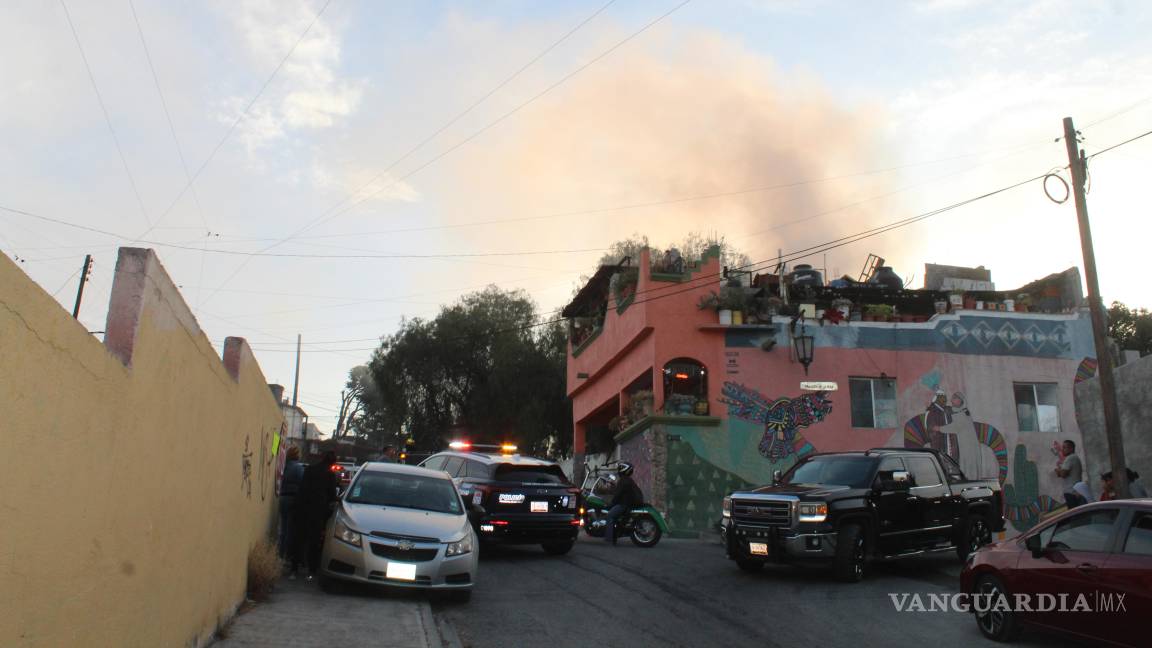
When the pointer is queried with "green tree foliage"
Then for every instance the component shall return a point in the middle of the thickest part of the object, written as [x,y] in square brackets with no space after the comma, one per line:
[480,365]
[1131,328]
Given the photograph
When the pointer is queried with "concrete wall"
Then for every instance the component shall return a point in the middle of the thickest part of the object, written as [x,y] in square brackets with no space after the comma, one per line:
[1134,397]
[135,475]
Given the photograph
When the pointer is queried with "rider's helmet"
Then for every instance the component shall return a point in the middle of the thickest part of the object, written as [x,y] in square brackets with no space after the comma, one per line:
[626,469]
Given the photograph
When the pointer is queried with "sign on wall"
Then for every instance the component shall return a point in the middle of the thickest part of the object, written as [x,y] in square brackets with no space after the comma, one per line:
[819,386]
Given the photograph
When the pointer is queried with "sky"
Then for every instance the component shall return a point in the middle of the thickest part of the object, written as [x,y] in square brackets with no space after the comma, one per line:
[397,140]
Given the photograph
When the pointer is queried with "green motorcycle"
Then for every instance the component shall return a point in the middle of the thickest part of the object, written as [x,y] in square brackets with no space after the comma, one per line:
[643,524]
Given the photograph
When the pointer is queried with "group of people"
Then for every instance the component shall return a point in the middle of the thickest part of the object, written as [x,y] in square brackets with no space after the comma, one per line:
[307,493]
[307,496]
[1077,492]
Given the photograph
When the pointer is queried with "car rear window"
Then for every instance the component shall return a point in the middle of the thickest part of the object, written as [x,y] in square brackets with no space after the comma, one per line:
[530,474]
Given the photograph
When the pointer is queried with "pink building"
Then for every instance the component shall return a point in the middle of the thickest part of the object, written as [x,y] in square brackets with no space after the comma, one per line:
[702,407]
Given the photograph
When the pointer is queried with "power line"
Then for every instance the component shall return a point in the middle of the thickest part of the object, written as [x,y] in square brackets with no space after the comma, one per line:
[107,119]
[172,130]
[322,219]
[1118,113]
[239,118]
[694,284]
[1114,146]
[473,106]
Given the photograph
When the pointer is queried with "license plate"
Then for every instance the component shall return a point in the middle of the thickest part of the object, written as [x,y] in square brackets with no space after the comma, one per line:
[401,571]
[758,548]
[539,507]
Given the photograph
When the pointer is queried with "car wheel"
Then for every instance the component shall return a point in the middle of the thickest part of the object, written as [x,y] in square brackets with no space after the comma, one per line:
[558,548]
[749,565]
[997,625]
[645,532]
[851,553]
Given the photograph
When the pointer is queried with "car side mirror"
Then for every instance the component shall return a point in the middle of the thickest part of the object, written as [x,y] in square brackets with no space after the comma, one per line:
[899,482]
[1033,545]
[777,476]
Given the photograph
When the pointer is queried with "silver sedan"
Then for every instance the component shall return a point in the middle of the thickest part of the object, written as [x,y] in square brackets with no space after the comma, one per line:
[401,526]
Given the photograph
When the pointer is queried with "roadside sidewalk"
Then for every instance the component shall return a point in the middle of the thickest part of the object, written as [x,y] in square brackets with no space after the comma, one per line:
[299,614]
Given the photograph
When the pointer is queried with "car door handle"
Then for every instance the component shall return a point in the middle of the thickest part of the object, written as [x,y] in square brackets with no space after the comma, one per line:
[1087,568]
[913,498]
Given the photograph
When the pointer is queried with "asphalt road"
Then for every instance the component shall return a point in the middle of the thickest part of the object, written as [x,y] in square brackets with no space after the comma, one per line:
[686,593]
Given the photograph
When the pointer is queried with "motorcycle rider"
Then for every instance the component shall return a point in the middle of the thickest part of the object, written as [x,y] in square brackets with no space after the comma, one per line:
[627,497]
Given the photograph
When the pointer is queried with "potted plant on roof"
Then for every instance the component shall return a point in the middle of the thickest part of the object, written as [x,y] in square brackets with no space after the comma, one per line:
[877,312]
[715,302]
[734,299]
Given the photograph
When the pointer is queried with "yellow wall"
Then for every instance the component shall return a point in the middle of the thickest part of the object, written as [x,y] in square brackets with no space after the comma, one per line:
[125,515]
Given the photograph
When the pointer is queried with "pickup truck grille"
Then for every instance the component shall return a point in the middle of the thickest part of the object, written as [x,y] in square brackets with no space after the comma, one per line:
[762,513]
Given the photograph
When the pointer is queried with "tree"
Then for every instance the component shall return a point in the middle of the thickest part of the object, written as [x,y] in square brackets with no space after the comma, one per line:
[351,401]
[482,364]
[1131,328]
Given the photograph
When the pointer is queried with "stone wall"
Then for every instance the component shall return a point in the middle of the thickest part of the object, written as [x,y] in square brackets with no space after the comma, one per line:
[1134,397]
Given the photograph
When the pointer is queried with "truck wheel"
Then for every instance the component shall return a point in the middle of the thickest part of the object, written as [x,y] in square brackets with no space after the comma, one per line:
[749,565]
[974,534]
[851,553]
[996,624]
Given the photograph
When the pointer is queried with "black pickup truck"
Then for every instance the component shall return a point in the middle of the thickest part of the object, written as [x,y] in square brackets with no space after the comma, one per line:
[849,507]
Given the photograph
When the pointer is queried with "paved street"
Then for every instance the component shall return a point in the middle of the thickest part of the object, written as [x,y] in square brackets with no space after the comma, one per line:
[685,593]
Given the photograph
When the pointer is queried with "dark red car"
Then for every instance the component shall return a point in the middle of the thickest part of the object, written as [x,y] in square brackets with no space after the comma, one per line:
[1085,574]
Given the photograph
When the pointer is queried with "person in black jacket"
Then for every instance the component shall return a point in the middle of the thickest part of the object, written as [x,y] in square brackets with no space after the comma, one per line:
[313,506]
[289,486]
[627,497]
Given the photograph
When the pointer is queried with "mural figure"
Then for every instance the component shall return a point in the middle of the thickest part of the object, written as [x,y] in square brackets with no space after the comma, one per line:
[938,428]
[782,418]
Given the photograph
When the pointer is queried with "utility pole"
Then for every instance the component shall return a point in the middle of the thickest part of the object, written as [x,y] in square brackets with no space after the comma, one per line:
[296,393]
[83,280]
[1077,163]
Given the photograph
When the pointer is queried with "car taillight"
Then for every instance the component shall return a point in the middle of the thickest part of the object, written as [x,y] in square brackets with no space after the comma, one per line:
[336,468]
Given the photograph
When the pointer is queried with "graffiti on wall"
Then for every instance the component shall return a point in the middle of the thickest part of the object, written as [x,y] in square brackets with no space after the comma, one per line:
[782,418]
[246,469]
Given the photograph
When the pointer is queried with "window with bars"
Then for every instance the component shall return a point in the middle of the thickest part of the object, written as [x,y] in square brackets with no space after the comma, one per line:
[873,402]
[1037,407]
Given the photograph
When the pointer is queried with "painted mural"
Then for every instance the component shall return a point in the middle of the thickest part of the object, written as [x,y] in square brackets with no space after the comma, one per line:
[1024,506]
[781,418]
[948,426]
[695,490]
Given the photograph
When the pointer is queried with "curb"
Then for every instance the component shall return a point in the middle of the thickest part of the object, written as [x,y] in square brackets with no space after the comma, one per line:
[446,636]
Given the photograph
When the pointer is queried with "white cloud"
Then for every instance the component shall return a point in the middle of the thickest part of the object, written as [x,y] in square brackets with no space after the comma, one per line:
[308,93]
[364,183]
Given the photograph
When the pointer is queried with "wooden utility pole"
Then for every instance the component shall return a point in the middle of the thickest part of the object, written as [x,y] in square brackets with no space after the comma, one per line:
[1077,163]
[296,394]
[80,290]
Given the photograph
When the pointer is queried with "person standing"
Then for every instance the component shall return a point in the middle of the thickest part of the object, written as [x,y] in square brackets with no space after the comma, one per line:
[1071,471]
[387,454]
[1135,486]
[289,486]
[313,506]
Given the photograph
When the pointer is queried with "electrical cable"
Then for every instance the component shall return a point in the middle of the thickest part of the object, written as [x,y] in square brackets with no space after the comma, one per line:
[239,118]
[107,118]
[321,220]
[792,256]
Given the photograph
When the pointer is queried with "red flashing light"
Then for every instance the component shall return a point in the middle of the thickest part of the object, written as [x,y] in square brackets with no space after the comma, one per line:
[460,445]
[500,522]
[578,522]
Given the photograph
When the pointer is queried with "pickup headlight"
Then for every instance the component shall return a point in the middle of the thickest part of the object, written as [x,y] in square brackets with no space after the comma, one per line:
[813,512]
[727,507]
[460,547]
[344,534]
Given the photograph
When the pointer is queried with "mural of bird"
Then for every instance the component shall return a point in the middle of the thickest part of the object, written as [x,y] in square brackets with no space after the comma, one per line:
[782,418]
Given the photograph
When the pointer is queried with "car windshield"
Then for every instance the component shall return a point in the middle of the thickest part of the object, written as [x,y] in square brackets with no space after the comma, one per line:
[530,474]
[839,471]
[405,491]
